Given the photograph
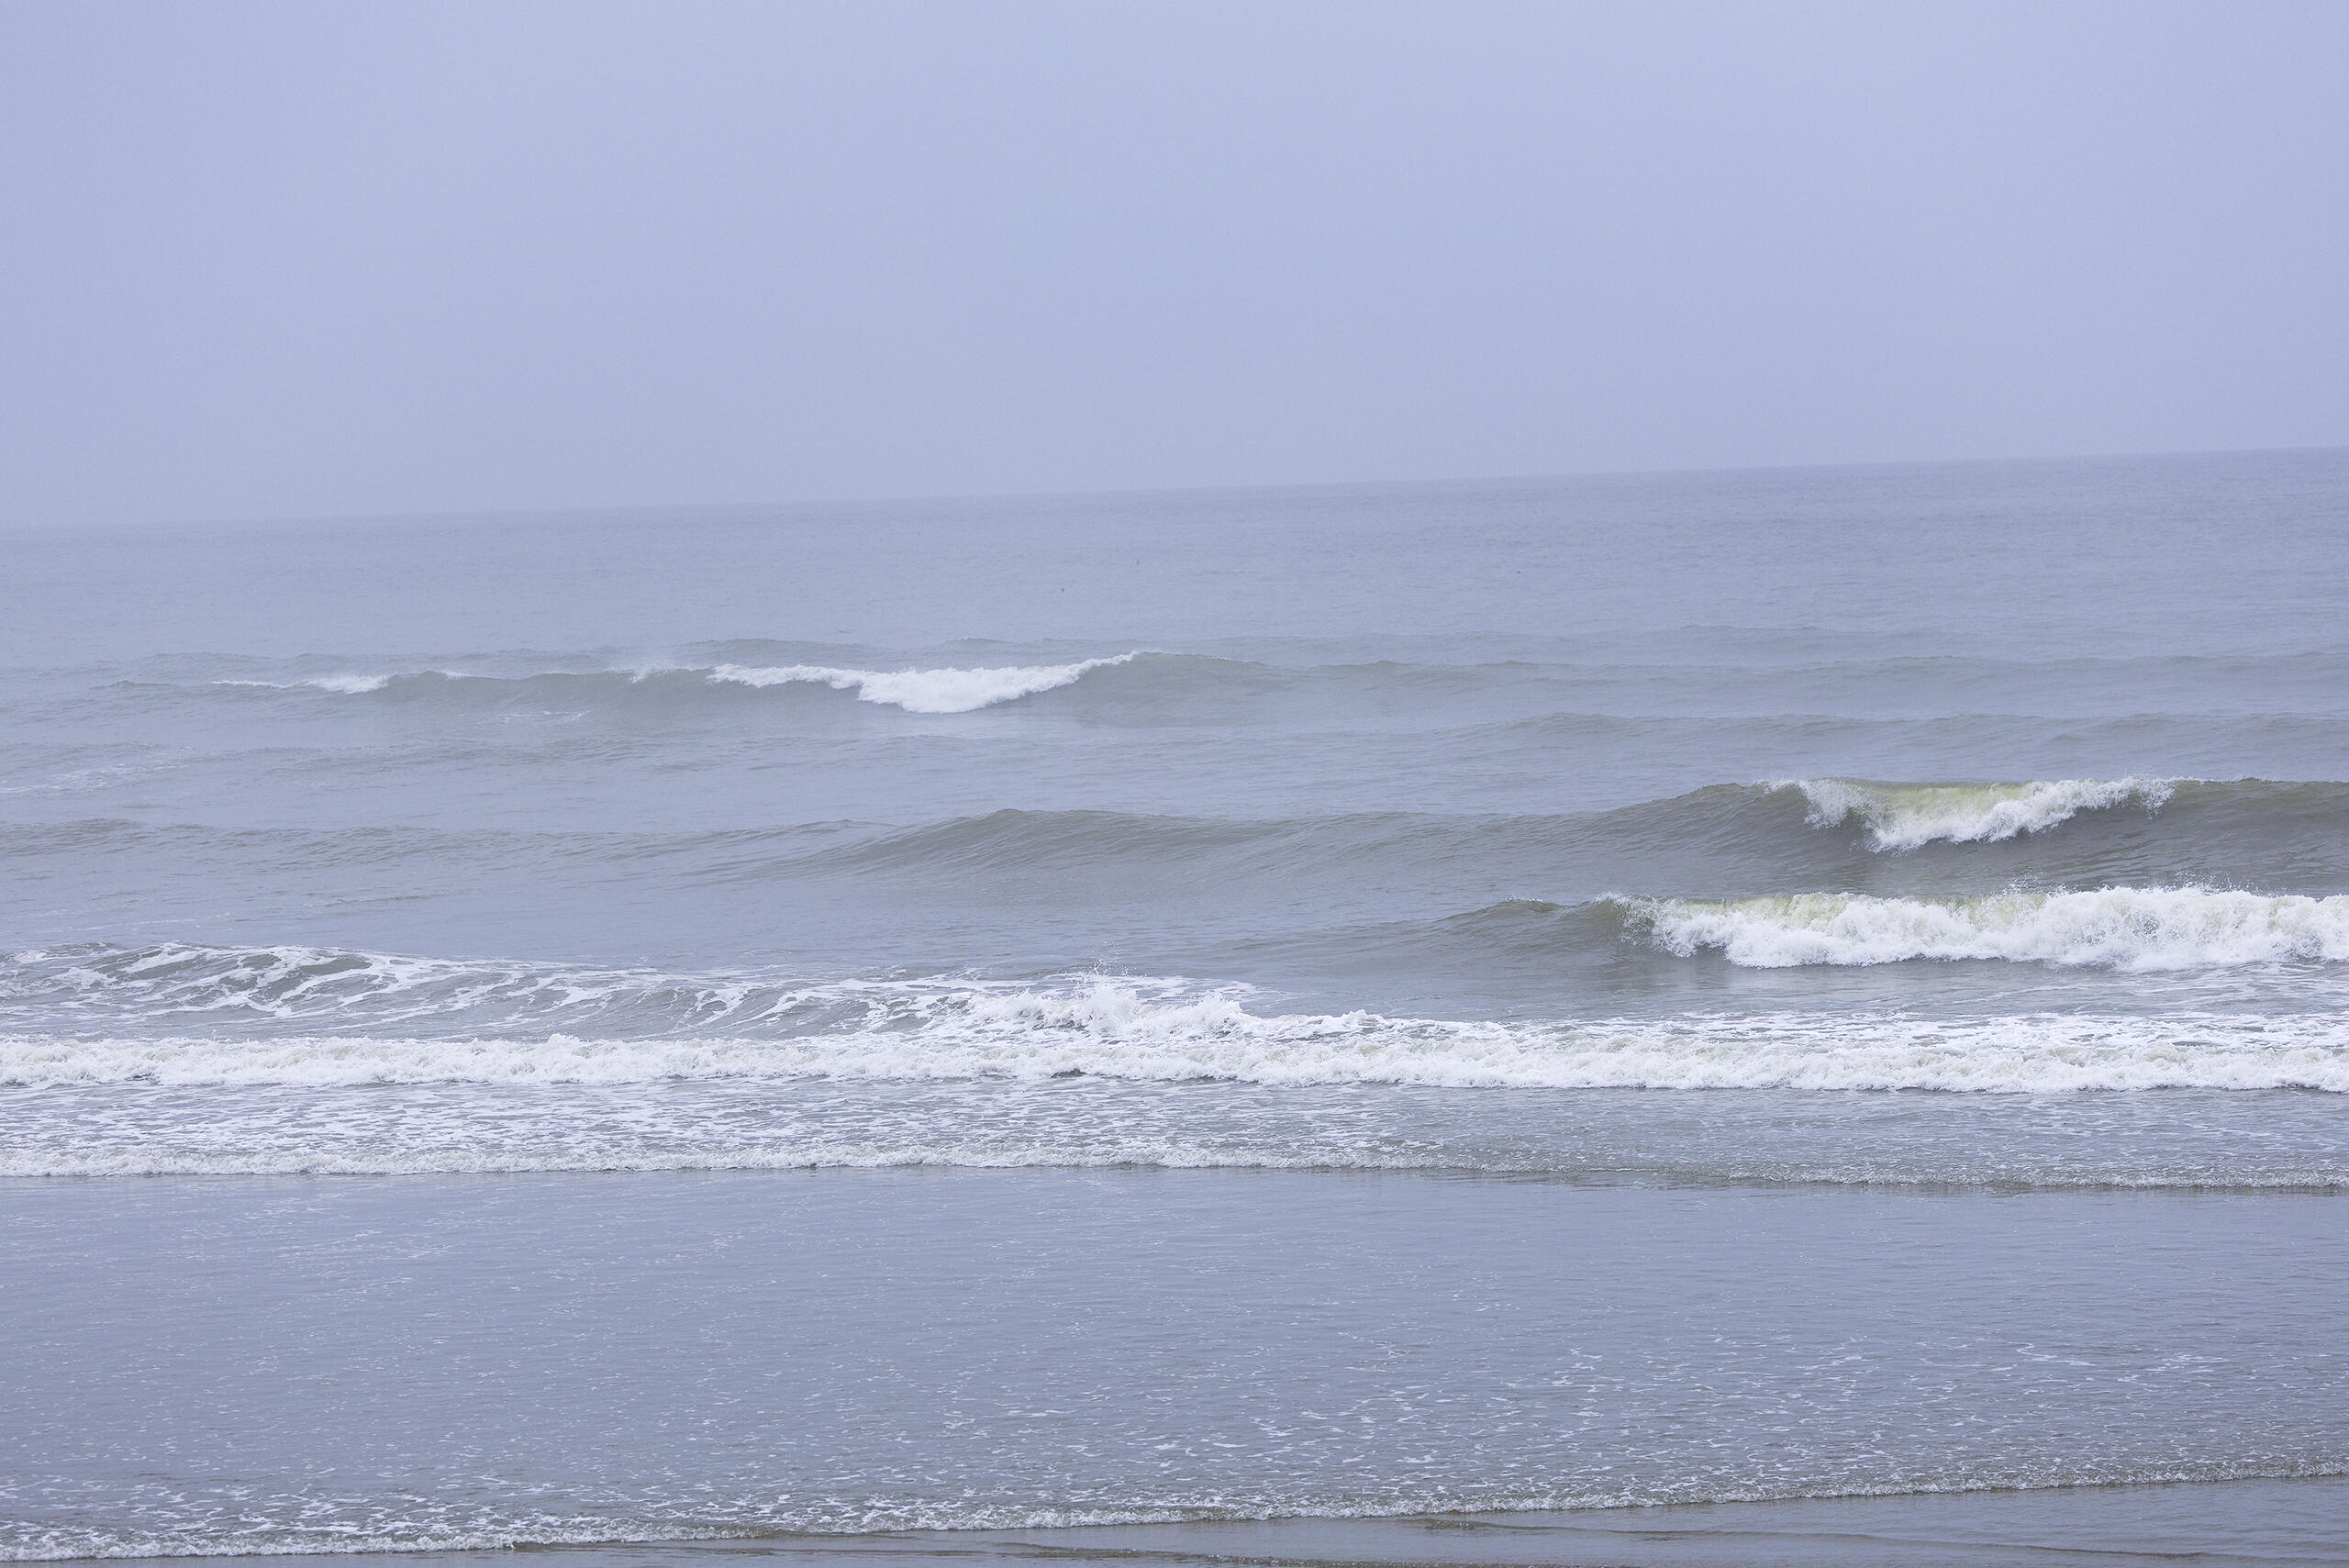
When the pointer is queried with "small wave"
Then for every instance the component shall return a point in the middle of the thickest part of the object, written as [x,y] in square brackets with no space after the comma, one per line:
[346,685]
[185,983]
[924,691]
[1904,815]
[2119,927]
[915,691]
[1133,1028]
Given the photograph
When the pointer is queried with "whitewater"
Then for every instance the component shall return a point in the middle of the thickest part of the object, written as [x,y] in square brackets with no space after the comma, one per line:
[914,690]
[1900,817]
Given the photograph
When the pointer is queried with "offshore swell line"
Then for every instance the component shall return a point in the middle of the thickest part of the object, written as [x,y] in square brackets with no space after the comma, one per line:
[927,691]
[2256,826]
[1144,685]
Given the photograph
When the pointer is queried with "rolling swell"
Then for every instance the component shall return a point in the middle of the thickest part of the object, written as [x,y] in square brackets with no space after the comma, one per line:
[1147,685]
[1902,842]
[1868,834]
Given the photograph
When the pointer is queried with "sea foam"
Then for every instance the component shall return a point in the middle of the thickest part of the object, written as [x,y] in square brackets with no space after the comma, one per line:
[925,691]
[2134,928]
[1904,815]
[915,691]
[343,685]
[1169,1031]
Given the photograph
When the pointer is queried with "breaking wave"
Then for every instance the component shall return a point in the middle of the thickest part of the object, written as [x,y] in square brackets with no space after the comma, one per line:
[924,691]
[2129,928]
[345,686]
[188,1017]
[2285,837]
[1901,817]
[948,690]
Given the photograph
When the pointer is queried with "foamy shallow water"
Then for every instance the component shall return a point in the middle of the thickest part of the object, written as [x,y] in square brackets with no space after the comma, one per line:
[2229,1524]
[1328,1006]
[450,1362]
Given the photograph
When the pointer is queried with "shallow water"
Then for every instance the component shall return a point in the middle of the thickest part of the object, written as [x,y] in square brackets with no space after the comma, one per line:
[465,1361]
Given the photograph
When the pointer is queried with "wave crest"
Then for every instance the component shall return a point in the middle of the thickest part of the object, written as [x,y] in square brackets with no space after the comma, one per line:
[944,690]
[2119,927]
[924,691]
[1904,815]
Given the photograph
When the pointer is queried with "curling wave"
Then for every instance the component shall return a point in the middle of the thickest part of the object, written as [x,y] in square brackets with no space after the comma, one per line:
[1904,815]
[924,691]
[2133,929]
[943,690]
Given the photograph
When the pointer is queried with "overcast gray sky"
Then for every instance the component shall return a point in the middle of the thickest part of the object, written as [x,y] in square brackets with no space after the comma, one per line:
[313,259]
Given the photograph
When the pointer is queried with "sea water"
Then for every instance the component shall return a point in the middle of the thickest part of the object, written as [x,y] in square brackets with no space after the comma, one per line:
[897,1029]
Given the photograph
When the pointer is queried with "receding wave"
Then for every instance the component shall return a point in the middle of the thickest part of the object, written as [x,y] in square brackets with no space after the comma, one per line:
[1903,816]
[197,1522]
[1607,1136]
[187,1017]
[2134,928]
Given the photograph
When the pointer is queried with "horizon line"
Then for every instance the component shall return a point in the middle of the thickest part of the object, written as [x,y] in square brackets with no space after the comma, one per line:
[904,499]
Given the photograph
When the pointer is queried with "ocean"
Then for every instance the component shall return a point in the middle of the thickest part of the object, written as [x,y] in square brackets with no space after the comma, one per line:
[1790,1016]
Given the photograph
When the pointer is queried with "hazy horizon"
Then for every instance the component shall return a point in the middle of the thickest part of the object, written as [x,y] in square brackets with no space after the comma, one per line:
[881,502]
[280,263]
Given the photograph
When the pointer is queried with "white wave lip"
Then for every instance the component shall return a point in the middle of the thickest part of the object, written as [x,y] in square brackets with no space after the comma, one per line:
[925,691]
[1903,817]
[915,691]
[1155,1031]
[344,686]
[2129,928]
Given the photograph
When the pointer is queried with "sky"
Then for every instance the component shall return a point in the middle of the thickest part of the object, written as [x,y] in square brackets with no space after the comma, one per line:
[267,261]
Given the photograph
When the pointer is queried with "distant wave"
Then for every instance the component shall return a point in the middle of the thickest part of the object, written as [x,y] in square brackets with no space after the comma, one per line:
[184,1016]
[1723,839]
[915,691]
[347,685]
[1903,816]
[925,691]
[2121,927]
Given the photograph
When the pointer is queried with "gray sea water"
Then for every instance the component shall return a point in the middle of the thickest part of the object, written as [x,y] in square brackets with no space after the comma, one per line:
[1776,1017]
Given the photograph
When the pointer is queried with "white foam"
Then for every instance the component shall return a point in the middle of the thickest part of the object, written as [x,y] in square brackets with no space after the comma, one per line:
[915,691]
[235,1522]
[924,691]
[2133,929]
[1163,1032]
[1902,816]
[346,685]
